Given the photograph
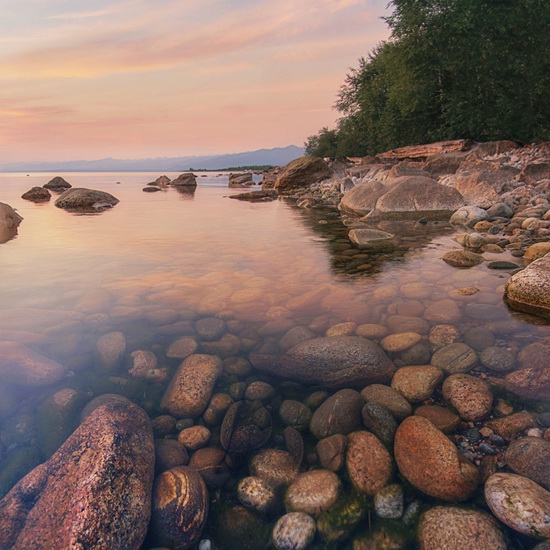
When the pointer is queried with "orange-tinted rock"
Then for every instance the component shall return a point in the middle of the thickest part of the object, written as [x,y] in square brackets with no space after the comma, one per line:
[417,383]
[509,426]
[180,508]
[527,383]
[313,492]
[94,492]
[443,419]
[530,457]
[339,414]
[368,462]
[301,172]
[430,461]
[470,396]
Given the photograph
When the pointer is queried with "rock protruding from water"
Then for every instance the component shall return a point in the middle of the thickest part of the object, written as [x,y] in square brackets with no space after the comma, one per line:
[57,184]
[240,180]
[37,194]
[335,362]
[188,179]
[431,462]
[301,172]
[94,492]
[9,222]
[414,197]
[528,290]
[79,199]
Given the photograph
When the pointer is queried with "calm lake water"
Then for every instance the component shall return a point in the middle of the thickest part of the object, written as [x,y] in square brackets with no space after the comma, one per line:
[164,260]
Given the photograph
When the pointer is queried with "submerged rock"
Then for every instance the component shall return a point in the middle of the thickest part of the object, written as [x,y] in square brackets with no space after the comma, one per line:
[293,531]
[95,491]
[371,238]
[337,361]
[80,199]
[37,194]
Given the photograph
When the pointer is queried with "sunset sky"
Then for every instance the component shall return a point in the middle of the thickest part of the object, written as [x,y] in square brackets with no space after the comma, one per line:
[83,79]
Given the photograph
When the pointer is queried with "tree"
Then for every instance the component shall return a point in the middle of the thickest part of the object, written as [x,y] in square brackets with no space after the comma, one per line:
[477,69]
[323,144]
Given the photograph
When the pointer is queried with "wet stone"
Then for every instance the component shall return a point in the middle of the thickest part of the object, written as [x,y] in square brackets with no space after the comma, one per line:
[339,414]
[417,383]
[497,359]
[256,494]
[380,422]
[259,391]
[277,468]
[293,531]
[210,328]
[389,398]
[294,413]
[313,492]
[395,343]
[470,396]
[331,452]
[443,335]
[530,457]
[455,358]
[195,437]
[442,418]
[389,502]
[168,454]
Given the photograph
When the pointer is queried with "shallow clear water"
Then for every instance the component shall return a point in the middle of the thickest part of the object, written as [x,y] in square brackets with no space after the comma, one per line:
[167,259]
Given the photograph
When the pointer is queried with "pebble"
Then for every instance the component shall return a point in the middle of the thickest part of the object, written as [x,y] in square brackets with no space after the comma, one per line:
[294,531]
[389,398]
[455,358]
[313,492]
[497,359]
[417,383]
[256,494]
[388,502]
[470,396]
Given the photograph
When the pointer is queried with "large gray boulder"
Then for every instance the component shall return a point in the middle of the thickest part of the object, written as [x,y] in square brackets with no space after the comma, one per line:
[9,222]
[94,492]
[362,198]
[413,197]
[335,362]
[529,290]
[79,199]
[300,173]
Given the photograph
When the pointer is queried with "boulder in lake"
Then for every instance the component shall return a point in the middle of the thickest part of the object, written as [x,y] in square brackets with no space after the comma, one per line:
[188,179]
[335,362]
[300,173]
[372,238]
[240,180]
[79,199]
[94,492]
[527,290]
[9,222]
[362,198]
[37,194]
[58,184]
[414,197]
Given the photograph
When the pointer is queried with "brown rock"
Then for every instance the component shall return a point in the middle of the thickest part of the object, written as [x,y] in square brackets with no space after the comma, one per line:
[454,528]
[512,425]
[187,179]
[424,151]
[462,258]
[528,290]
[395,343]
[530,457]
[275,467]
[417,383]
[368,462]
[301,172]
[443,419]
[469,395]
[209,463]
[536,251]
[443,311]
[37,194]
[527,383]
[331,452]
[19,364]
[57,184]
[168,454]
[313,492]
[93,492]
[194,437]
[191,387]
[389,398]
[455,358]
[428,460]
[180,508]
[339,414]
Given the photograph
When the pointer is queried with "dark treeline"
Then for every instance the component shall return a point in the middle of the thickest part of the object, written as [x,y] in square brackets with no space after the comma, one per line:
[475,69]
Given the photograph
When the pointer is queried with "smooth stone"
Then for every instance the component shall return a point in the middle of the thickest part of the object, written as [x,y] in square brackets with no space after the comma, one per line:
[368,463]
[442,418]
[294,413]
[85,200]
[210,328]
[313,492]
[406,323]
[180,508]
[110,350]
[479,338]
[237,527]
[209,463]
[371,238]
[331,452]
[259,391]
[455,358]
[256,494]
[417,383]
[294,337]
[57,183]
[530,457]
[275,467]
[106,463]
[371,331]
[338,523]
[217,407]
[19,364]
[519,503]
[510,426]
[191,387]
[470,396]
[497,359]
[389,502]
[462,258]
[182,348]
[342,329]
[194,437]
[483,312]
[443,311]
[537,250]
[293,531]
[527,290]
[431,462]
[389,398]
[380,422]
[455,528]
[395,343]
[501,264]
[335,362]
[443,335]
[168,454]
[339,414]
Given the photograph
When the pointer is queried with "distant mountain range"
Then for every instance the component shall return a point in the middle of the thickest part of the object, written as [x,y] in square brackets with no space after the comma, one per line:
[279,156]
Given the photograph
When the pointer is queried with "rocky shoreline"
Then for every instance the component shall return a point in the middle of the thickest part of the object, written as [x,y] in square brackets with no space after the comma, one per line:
[417,418]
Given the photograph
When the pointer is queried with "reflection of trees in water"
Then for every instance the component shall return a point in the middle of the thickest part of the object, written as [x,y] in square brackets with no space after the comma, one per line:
[351,261]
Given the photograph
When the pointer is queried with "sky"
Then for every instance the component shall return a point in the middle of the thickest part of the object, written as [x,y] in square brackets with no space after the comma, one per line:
[89,79]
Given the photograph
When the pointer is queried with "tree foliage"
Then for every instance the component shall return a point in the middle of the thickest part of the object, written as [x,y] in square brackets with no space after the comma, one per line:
[476,69]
